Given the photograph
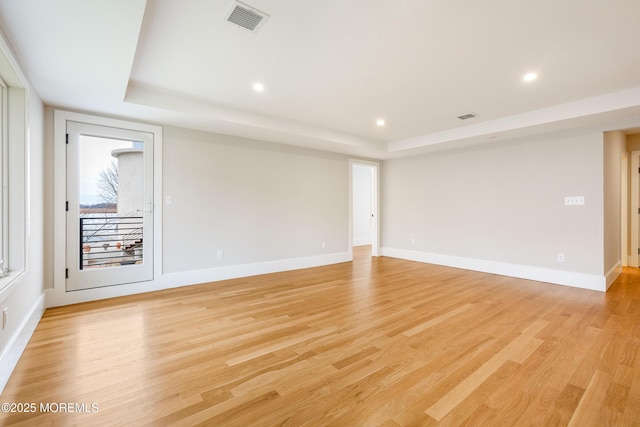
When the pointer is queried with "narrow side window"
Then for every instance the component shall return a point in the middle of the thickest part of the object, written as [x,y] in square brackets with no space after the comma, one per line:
[14,189]
[4,177]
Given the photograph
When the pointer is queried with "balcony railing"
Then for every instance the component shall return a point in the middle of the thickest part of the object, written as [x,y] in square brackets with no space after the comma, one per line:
[109,241]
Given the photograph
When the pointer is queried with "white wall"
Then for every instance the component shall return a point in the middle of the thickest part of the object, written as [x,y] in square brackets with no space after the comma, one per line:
[256,201]
[500,207]
[362,177]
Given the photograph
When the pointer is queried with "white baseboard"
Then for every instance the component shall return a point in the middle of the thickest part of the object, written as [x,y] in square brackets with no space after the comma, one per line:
[58,297]
[185,278]
[540,274]
[18,342]
[613,274]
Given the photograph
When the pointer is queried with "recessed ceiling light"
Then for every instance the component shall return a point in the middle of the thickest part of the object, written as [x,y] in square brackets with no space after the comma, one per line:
[258,87]
[529,77]
[380,122]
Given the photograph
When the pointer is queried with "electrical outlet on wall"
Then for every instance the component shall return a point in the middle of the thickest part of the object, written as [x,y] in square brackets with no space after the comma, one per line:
[560,257]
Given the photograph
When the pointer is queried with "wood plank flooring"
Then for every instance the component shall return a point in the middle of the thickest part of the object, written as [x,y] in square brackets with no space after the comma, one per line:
[376,342]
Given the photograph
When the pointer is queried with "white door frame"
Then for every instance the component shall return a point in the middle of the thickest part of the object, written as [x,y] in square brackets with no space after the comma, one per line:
[375,243]
[58,295]
[635,204]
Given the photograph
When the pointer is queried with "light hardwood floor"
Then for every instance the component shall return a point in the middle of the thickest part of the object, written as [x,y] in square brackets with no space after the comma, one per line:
[376,342]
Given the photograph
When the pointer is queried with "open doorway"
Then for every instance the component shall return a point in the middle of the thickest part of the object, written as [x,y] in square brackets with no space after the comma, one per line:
[364,207]
[630,198]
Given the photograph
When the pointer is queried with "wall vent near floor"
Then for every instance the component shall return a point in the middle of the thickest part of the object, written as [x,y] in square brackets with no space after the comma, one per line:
[468,116]
[246,17]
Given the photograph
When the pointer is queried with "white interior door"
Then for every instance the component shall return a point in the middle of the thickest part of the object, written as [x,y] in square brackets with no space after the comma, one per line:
[362,205]
[109,206]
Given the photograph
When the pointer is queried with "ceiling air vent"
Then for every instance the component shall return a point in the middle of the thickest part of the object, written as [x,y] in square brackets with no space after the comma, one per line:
[246,16]
[468,116]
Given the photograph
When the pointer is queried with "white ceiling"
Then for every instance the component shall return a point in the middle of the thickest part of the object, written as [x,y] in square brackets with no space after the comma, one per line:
[332,67]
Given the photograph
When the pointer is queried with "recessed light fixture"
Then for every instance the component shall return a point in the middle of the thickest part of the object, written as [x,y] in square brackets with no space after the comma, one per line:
[258,87]
[529,77]
[380,122]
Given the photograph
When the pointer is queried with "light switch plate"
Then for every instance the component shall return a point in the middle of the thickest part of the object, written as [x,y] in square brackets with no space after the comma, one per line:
[574,200]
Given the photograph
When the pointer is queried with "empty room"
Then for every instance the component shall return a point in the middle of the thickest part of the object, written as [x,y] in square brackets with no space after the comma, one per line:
[336,213]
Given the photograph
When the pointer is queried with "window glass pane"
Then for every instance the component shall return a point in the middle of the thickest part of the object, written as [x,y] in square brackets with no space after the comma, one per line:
[111,202]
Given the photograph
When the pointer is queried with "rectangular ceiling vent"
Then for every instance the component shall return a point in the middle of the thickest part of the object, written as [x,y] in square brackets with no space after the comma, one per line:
[468,116]
[246,16]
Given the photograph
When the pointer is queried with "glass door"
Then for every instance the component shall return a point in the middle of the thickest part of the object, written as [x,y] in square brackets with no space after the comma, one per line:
[109,206]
